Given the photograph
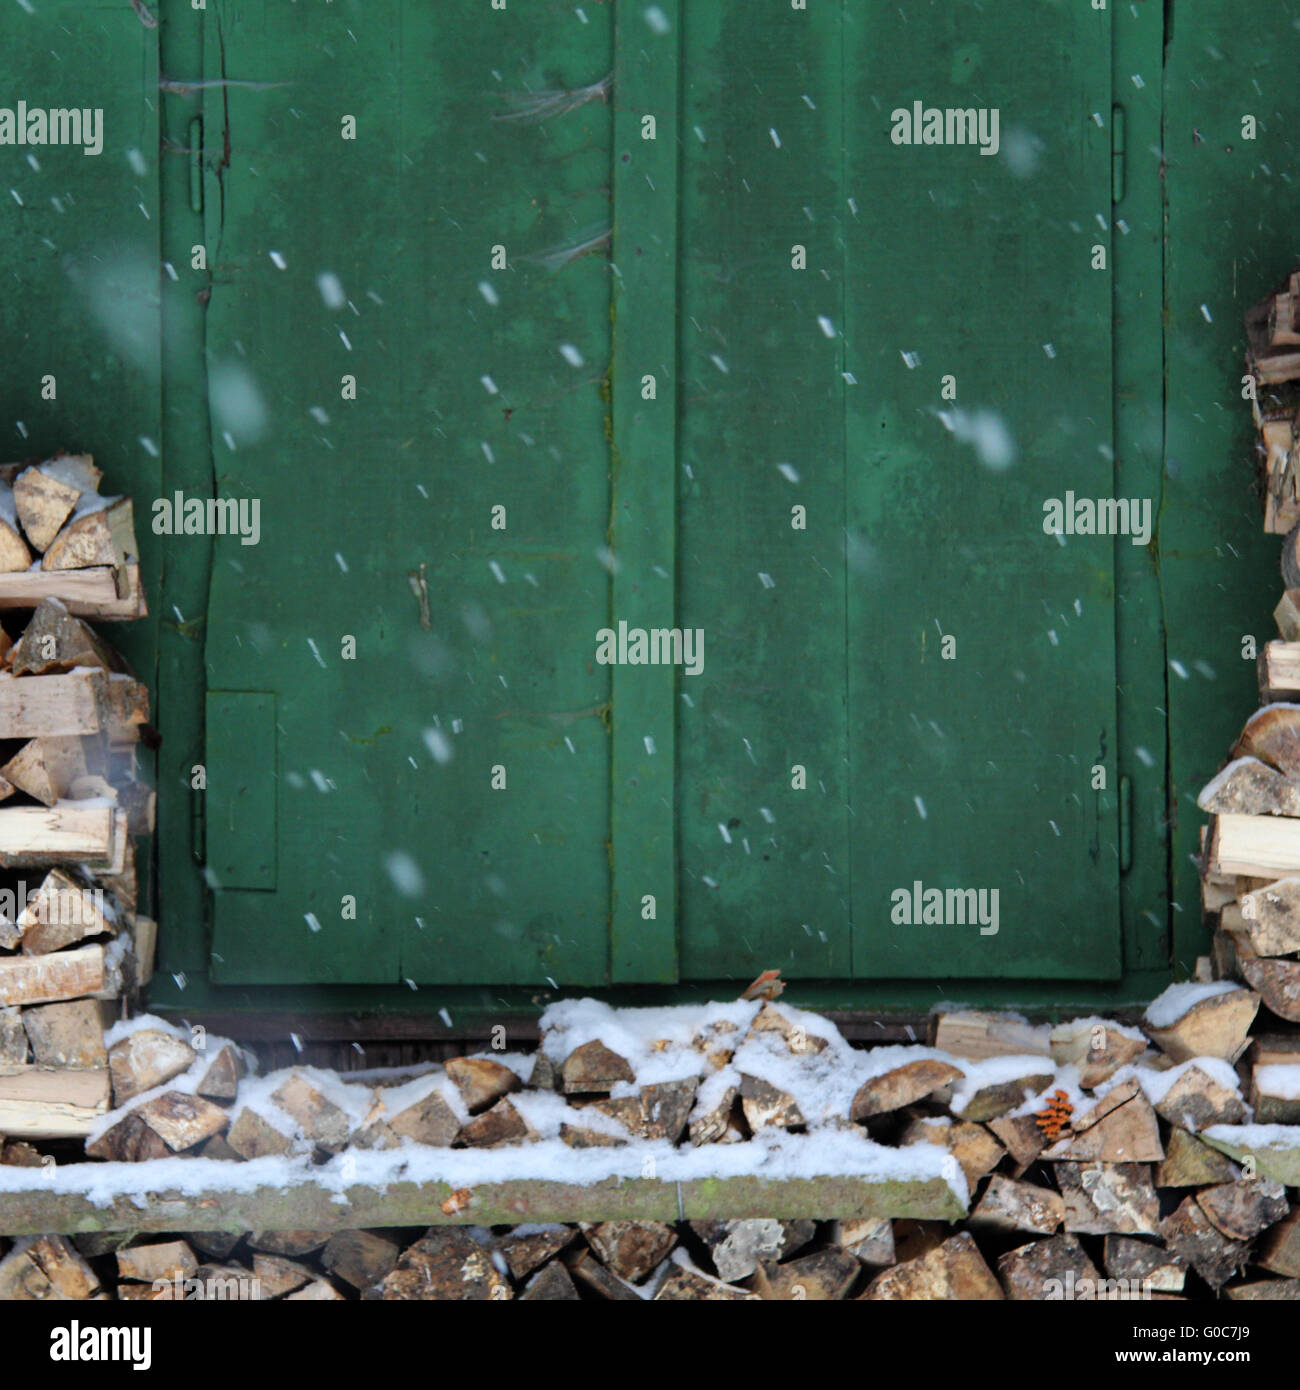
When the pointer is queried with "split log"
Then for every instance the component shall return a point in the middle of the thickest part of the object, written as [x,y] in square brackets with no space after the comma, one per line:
[1190,1234]
[221,1079]
[144,1059]
[1242,1210]
[168,1260]
[323,1122]
[1287,615]
[684,1285]
[360,1258]
[45,768]
[48,979]
[736,1247]
[1216,1026]
[1259,846]
[1279,672]
[42,504]
[1144,1266]
[1251,788]
[524,1253]
[66,1035]
[278,1275]
[1120,1128]
[13,1038]
[48,1268]
[1275,1094]
[69,831]
[1269,918]
[51,1102]
[253,1136]
[1277,981]
[766,1106]
[426,1119]
[100,593]
[1196,1101]
[481,1082]
[870,1240]
[144,944]
[318,1291]
[503,1124]
[53,706]
[1108,1198]
[1191,1163]
[553,1284]
[715,1124]
[1018,1206]
[822,1277]
[900,1087]
[293,1245]
[54,641]
[15,557]
[976,1150]
[593,1067]
[1029,1272]
[104,536]
[977,1035]
[954,1270]
[632,1249]
[1096,1047]
[771,1019]
[1260,1289]
[182,1120]
[130,1140]
[446,1264]
[60,913]
[1279,1250]
[994,1100]
[1272,735]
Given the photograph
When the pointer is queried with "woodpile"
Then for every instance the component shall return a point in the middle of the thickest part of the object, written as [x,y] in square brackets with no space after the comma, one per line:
[73,947]
[1273,366]
[1250,850]
[1093,1158]
[60,538]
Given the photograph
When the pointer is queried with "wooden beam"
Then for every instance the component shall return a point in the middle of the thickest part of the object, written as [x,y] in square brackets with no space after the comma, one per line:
[307,1205]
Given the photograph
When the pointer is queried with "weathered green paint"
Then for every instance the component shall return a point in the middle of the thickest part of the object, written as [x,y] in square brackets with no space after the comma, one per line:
[308,1206]
[824,668]
[643,483]
[975,771]
[764,868]
[241,777]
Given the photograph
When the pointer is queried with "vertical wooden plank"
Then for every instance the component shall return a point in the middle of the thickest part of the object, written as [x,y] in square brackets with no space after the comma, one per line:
[761,498]
[241,789]
[1229,240]
[1137,41]
[647,42]
[982,677]
[186,561]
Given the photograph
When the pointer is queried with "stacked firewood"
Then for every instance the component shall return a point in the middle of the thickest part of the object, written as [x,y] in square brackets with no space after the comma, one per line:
[1273,367]
[72,946]
[1250,851]
[1094,1159]
[59,538]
